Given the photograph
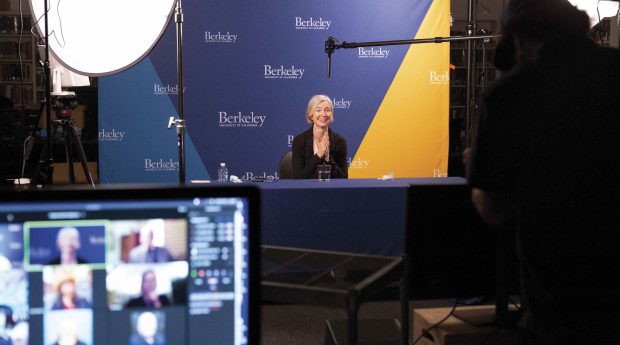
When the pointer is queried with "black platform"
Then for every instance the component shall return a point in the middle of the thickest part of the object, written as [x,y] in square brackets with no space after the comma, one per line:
[341,280]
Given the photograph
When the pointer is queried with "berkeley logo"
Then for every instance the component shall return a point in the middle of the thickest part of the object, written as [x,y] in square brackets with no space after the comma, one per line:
[241,120]
[358,163]
[166,89]
[439,79]
[249,176]
[341,103]
[312,24]
[283,72]
[111,135]
[219,37]
[376,53]
[160,165]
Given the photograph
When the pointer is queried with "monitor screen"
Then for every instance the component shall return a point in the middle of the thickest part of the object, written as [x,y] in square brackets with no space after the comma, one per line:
[129,266]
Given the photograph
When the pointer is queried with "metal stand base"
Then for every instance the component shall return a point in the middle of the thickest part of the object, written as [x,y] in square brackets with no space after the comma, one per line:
[72,144]
[72,141]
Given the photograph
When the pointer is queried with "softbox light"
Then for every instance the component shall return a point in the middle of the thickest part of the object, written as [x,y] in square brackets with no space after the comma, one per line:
[597,10]
[102,37]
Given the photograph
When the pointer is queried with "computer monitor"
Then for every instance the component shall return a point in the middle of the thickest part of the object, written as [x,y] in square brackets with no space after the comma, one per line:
[136,265]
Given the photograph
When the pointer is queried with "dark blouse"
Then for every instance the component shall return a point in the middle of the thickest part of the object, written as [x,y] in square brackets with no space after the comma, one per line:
[305,162]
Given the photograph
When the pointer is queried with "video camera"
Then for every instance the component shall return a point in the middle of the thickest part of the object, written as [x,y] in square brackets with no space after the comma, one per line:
[64,105]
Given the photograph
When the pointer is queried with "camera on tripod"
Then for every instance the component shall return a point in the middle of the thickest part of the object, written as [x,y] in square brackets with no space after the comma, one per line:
[64,105]
[63,128]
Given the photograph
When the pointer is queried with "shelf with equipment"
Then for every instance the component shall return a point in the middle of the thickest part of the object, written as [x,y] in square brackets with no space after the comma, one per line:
[18,65]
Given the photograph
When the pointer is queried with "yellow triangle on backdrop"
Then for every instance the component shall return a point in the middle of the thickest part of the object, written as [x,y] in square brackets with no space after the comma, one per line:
[409,134]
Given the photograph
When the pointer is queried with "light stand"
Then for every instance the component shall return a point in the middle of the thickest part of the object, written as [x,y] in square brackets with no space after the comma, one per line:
[63,104]
[471,105]
[48,165]
[180,121]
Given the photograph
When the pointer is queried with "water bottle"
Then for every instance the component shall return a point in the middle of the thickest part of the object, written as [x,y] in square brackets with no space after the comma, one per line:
[222,173]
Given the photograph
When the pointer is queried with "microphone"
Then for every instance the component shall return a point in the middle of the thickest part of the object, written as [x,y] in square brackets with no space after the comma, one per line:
[330,46]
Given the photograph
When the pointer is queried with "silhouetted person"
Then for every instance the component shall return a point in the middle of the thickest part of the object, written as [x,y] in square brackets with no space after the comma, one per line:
[547,154]
[5,103]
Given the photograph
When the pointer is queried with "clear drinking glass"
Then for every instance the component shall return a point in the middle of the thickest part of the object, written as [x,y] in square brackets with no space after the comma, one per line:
[325,172]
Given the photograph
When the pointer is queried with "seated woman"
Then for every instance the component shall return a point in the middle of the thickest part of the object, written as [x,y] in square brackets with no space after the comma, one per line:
[319,144]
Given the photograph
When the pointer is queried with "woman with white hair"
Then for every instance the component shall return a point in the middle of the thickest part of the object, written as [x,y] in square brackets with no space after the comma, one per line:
[319,144]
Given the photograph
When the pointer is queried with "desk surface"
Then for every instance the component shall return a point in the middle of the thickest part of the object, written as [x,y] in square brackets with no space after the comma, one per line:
[366,216]
[358,183]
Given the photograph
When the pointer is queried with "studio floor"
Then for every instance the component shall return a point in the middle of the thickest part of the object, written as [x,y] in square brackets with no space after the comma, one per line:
[306,325]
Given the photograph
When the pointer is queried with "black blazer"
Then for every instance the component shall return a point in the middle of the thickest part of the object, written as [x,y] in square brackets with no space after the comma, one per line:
[305,162]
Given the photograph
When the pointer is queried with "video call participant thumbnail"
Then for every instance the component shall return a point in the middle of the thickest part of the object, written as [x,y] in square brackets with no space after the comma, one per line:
[149,298]
[146,251]
[67,296]
[68,244]
[147,330]
[67,333]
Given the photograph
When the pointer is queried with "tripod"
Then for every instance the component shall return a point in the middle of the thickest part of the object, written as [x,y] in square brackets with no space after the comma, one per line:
[63,107]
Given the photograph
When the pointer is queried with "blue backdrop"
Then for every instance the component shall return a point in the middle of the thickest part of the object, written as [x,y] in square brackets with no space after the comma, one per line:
[249,70]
